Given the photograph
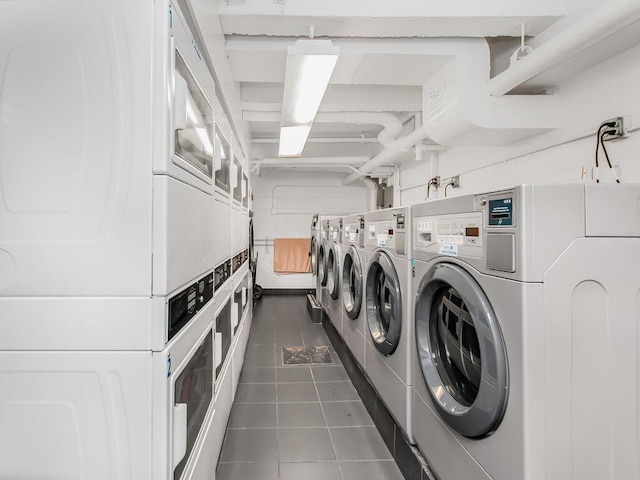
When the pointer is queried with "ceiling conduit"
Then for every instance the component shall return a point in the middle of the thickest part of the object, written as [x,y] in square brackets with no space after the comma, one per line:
[587,31]
[457,108]
[390,123]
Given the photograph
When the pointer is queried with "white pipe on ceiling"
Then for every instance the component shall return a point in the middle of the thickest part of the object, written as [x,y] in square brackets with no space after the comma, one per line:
[322,140]
[390,123]
[307,161]
[373,192]
[592,28]
[392,152]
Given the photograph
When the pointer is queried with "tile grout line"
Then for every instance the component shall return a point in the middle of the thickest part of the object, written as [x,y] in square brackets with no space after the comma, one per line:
[324,415]
[275,354]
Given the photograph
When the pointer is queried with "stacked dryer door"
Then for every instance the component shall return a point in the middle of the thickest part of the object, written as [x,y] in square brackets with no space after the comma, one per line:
[388,313]
[331,300]
[353,286]
[525,315]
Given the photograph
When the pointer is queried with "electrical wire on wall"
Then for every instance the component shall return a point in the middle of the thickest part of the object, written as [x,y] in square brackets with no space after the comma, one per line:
[607,131]
[434,182]
[450,184]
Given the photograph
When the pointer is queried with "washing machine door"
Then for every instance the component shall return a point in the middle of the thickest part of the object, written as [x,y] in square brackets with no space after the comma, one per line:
[352,288]
[314,262]
[461,350]
[384,303]
[333,271]
[322,263]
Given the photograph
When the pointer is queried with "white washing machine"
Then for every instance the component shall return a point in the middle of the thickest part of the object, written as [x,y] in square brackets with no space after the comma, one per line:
[527,333]
[389,312]
[353,280]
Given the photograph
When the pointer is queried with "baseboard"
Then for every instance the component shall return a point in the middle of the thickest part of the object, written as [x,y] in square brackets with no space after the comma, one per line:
[409,460]
[287,291]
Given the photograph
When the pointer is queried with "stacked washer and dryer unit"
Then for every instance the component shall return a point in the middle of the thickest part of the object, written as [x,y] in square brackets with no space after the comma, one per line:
[527,333]
[113,263]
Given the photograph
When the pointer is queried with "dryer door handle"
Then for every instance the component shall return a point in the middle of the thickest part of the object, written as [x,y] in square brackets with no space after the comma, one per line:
[179,432]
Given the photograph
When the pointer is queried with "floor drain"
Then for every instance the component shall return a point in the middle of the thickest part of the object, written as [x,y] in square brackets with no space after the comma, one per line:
[306,355]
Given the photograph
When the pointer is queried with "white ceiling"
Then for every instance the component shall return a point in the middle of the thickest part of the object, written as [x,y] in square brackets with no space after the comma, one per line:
[382,66]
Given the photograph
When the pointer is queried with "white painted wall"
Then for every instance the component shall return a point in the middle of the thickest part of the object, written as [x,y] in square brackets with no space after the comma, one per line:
[607,90]
[283,206]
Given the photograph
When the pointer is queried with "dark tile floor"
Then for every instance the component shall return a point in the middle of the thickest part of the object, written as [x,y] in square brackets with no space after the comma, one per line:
[298,422]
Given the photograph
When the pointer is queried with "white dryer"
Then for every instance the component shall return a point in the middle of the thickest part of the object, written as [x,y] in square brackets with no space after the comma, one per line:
[389,310]
[353,280]
[526,325]
[331,300]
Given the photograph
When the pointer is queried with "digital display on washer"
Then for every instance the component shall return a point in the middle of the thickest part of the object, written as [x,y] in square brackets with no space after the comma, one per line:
[472,231]
[501,212]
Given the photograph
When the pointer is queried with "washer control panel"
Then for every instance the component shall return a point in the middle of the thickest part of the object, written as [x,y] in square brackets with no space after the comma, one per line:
[452,235]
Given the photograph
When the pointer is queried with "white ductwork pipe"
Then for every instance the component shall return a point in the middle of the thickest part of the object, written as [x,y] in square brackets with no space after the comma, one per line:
[389,154]
[373,191]
[589,30]
[313,161]
[390,123]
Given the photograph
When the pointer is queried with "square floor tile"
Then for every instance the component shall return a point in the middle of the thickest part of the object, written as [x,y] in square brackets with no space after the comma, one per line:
[250,445]
[346,414]
[315,339]
[387,470]
[304,445]
[330,374]
[258,375]
[300,415]
[260,356]
[246,471]
[359,443]
[253,415]
[297,392]
[293,375]
[337,391]
[309,471]
[256,393]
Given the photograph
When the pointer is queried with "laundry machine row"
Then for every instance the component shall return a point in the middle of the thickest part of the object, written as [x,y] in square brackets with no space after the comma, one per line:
[526,341]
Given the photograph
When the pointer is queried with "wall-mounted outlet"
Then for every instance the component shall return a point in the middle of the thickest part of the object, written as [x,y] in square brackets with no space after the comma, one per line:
[612,129]
[436,181]
[455,181]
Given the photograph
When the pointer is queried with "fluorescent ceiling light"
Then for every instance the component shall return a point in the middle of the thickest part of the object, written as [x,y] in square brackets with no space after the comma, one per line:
[292,140]
[310,64]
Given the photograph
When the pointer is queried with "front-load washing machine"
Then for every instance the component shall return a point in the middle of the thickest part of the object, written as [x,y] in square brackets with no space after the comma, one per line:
[389,317]
[526,329]
[319,233]
[331,300]
[353,279]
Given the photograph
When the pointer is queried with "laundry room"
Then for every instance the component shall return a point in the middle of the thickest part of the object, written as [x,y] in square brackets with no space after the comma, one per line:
[286,239]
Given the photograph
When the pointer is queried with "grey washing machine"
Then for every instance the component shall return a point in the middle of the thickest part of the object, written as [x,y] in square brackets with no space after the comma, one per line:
[353,281]
[527,332]
[389,310]
[331,300]
[319,234]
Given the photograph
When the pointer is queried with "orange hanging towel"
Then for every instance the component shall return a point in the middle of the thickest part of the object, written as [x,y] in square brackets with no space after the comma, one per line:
[291,255]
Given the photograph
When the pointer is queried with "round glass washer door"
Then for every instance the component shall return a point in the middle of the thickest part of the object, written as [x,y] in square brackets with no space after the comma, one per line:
[384,303]
[313,254]
[322,264]
[333,271]
[352,284]
[461,351]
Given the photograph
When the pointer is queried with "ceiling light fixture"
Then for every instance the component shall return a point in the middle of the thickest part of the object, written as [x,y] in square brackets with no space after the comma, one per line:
[310,64]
